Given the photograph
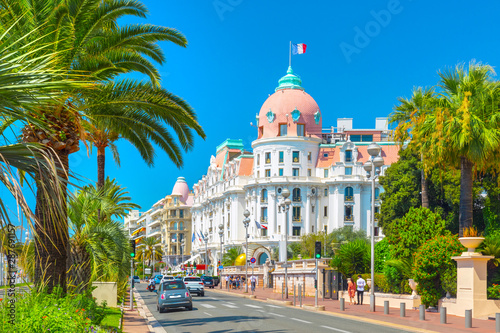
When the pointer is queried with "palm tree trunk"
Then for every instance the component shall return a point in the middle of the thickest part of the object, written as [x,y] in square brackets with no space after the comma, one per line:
[424,184]
[51,228]
[80,269]
[101,151]
[465,210]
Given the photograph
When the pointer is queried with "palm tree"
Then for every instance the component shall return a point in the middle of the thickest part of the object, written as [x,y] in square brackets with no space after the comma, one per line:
[463,130]
[97,246]
[230,255]
[151,247]
[405,115]
[101,50]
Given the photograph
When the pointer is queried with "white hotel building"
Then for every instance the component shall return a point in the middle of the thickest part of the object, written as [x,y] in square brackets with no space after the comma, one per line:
[322,169]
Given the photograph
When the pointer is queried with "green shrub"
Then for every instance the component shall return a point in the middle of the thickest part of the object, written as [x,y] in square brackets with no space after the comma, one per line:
[494,291]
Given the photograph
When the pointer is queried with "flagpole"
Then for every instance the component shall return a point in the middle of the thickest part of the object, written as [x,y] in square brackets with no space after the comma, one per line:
[290,55]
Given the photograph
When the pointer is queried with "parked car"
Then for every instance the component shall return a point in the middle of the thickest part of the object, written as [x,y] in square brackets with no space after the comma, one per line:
[136,279]
[158,278]
[208,281]
[173,294]
[195,285]
[167,278]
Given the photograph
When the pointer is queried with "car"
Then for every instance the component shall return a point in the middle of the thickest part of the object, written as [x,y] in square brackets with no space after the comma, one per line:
[195,285]
[208,281]
[173,294]
[158,278]
[167,278]
[136,279]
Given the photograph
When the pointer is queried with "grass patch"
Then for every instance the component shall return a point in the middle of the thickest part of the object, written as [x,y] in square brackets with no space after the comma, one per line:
[112,319]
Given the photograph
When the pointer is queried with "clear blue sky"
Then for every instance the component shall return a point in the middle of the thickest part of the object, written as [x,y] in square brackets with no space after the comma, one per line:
[238,49]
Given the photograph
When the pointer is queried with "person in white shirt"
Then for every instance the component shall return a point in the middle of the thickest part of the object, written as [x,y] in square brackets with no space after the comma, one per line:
[360,288]
[253,281]
[227,281]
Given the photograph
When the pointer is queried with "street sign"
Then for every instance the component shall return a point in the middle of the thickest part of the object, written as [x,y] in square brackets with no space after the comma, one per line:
[253,260]
[286,265]
[221,267]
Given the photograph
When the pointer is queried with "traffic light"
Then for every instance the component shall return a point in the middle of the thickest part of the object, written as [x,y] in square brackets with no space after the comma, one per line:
[194,265]
[132,247]
[317,250]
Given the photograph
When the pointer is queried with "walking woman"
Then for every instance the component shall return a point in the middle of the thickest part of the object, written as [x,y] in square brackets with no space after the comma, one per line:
[351,290]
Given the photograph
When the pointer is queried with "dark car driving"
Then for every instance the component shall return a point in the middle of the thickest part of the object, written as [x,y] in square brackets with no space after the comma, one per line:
[208,281]
[173,294]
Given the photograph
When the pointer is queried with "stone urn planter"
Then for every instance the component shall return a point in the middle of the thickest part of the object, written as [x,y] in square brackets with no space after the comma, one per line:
[471,243]
[413,286]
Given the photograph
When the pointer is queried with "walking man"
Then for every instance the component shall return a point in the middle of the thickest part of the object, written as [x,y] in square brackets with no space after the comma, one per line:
[361,289]
[253,280]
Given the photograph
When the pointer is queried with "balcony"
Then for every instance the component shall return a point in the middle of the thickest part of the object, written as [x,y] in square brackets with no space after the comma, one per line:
[154,222]
[296,219]
[263,200]
[297,199]
[349,198]
[154,232]
[263,219]
[349,218]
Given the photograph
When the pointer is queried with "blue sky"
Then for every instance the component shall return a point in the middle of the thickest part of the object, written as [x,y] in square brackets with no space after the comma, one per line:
[361,55]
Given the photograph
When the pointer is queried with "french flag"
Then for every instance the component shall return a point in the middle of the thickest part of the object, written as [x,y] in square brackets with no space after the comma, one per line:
[193,238]
[260,226]
[299,48]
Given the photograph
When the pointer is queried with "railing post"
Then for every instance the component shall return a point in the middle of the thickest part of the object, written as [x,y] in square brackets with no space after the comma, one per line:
[402,309]
[386,307]
[442,314]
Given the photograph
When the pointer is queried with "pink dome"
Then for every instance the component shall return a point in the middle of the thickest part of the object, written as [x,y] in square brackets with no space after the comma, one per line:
[181,188]
[290,105]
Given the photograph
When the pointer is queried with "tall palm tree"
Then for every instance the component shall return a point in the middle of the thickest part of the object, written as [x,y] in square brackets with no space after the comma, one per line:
[147,245]
[463,131]
[231,255]
[407,113]
[99,48]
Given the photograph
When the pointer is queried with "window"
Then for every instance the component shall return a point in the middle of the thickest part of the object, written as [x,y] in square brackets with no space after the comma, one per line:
[283,130]
[280,171]
[348,171]
[281,153]
[361,138]
[268,158]
[181,227]
[175,225]
[325,173]
[258,174]
[377,193]
[295,172]
[258,159]
[325,229]
[263,195]
[296,231]
[296,195]
[348,214]
[301,129]
[312,229]
[326,192]
[325,211]
[263,214]
[308,172]
[348,155]
[325,154]
[268,173]
[309,156]
[296,214]
[295,157]
[312,209]
[348,194]
[176,200]
[173,213]
[279,229]
[263,232]
[181,213]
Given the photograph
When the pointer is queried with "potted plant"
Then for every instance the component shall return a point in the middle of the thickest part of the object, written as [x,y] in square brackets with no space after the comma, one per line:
[471,239]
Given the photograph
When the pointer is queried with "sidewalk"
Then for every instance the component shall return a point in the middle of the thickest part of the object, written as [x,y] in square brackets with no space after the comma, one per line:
[133,322]
[410,322]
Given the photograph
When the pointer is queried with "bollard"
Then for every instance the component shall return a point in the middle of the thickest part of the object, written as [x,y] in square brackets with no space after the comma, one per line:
[468,318]
[282,290]
[386,307]
[422,312]
[300,295]
[402,310]
[497,320]
[294,294]
[442,313]
[342,304]
[304,291]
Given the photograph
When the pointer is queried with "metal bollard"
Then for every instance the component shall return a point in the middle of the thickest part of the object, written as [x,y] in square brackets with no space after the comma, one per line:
[497,320]
[294,294]
[342,304]
[402,309]
[300,295]
[282,290]
[422,312]
[386,307]
[304,291]
[442,312]
[468,318]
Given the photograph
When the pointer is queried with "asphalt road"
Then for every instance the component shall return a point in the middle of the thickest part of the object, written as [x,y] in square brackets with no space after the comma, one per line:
[226,313]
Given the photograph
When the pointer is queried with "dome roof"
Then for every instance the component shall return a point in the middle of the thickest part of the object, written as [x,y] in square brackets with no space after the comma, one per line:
[181,188]
[290,105]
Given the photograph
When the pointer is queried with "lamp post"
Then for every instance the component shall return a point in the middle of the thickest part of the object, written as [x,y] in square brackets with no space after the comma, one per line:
[143,263]
[373,168]
[221,233]
[246,222]
[153,261]
[183,248]
[206,252]
[285,205]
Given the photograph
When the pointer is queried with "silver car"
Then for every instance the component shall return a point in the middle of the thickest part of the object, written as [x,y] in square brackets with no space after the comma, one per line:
[173,294]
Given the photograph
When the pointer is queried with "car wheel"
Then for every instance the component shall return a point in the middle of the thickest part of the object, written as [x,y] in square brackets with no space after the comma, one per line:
[162,310]
[190,308]
[202,294]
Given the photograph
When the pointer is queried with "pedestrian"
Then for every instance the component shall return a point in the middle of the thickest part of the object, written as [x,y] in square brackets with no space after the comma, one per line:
[351,290]
[227,281]
[253,281]
[361,289]
[237,282]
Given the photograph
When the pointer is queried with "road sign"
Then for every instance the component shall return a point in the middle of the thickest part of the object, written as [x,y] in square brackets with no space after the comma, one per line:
[221,267]
[253,260]
[286,265]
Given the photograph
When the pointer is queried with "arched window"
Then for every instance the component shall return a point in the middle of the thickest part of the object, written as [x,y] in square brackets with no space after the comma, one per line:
[262,258]
[181,225]
[263,195]
[175,225]
[348,194]
[377,193]
[296,195]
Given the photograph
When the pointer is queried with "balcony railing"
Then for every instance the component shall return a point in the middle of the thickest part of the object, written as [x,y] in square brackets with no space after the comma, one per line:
[297,199]
[349,218]
[263,200]
[296,218]
[263,219]
[349,198]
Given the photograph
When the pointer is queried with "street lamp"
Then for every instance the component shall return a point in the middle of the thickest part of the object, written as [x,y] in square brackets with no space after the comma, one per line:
[372,167]
[183,248]
[153,261]
[206,252]
[143,263]
[285,205]
[221,233]
[246,222]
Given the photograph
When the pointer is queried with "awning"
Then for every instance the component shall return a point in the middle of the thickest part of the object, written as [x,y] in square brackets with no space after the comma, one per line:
[192,259]
[138,230]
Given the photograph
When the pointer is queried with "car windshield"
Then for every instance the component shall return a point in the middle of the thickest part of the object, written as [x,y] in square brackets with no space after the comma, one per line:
[208,278]
[170,285]
[192,279]
[136,277]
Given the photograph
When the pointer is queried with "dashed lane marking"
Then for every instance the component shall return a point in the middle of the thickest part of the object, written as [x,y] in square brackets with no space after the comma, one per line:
[276,314]
[253,306]
[335,329]
[208,306]
[302,321]
[208,314]
[232,306]
[274,306]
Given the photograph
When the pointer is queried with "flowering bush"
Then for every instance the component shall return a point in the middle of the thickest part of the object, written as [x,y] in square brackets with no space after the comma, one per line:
[42,312]
[494,291]
[433,264]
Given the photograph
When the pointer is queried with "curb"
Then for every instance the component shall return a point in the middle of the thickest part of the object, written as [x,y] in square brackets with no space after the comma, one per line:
[313,307]
[276,302]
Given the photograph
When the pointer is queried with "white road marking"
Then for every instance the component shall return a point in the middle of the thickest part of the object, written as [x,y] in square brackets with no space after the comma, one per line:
[276,314]
[254,306]
[208,314]
[230,303]
[335,329]
[302,321]
[232,306]
[274,306]
[208,306]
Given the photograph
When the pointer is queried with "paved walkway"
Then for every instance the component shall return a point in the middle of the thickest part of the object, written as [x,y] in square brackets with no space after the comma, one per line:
[410,322]
[133,322]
